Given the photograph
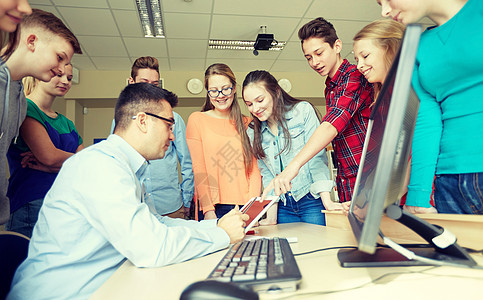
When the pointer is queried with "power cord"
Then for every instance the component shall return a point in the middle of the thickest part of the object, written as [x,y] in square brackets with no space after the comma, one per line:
[325,249]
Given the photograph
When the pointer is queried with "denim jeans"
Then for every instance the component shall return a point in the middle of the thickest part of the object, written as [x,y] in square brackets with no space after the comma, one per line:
[23,219]
[307,210]
[459,193]
[220,210]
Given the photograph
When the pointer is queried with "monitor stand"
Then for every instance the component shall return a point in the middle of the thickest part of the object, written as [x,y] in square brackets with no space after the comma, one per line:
[441,246]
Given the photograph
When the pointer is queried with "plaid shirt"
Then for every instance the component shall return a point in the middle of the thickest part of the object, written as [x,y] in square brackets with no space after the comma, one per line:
[348,98]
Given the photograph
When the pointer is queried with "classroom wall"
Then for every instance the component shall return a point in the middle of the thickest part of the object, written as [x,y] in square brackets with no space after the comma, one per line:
[98,91]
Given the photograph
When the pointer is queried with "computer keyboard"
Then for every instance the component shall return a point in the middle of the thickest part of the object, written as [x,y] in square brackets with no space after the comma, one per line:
[264,264]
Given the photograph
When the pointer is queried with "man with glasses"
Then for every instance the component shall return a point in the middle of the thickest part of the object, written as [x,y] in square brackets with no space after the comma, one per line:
[170,198]
[97,214]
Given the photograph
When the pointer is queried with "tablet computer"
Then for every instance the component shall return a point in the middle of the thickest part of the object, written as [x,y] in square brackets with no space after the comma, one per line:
[256,209]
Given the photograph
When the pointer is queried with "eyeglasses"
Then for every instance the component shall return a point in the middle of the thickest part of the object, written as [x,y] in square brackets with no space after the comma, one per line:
[224,91]
[169,121]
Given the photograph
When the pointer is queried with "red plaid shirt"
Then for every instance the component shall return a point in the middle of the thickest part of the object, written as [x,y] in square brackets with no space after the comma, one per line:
[348,98]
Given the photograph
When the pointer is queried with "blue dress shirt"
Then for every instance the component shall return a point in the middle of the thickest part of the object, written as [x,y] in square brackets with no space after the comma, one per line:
[94,217]
[162,180]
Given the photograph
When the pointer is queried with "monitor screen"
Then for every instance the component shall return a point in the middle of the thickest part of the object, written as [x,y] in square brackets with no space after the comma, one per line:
[386,150]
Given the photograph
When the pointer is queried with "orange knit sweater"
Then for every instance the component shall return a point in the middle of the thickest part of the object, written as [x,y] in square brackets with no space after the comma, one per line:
[217,156]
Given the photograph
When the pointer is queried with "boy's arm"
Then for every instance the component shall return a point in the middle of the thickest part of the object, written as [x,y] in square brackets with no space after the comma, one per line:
[350,95]
[323,135]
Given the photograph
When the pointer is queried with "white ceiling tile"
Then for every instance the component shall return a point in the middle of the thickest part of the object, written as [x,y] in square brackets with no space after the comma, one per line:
[278,8]
[103,46]
[187,64]
[362,10]
[187,48]
[128,23]
[82,62]
[42,2]
[197,6]
[290,66]
[242,65]
[122,4]
[90,21]
[50,9]
[137,47]
[163,64]
[83,3]
[346,30]
[242,54]
[248,27]
[111,29]
[162,61]
[292,51]
[112,63]
[177,26]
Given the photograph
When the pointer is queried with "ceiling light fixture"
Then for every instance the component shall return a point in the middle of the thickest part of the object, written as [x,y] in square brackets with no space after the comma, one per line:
[150,16]
[264,42]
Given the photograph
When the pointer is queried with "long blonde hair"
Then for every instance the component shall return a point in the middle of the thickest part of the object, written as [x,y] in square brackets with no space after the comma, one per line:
[386,34]
[29,84]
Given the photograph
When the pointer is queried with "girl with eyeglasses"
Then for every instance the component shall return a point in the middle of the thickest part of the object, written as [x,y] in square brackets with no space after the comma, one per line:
[225,171]
[280,128]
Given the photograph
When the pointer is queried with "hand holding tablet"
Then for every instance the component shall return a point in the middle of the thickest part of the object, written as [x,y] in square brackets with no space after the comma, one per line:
[255,209]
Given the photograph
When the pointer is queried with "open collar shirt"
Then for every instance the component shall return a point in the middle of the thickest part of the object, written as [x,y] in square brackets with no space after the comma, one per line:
[96,216]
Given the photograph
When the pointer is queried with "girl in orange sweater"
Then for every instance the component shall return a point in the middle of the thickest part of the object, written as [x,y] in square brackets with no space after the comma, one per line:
[225,171]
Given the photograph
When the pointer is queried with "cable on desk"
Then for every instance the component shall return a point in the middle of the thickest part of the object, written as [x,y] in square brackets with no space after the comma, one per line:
[325,249]
[359,286]
[413,256]
[470,250]
[375,280]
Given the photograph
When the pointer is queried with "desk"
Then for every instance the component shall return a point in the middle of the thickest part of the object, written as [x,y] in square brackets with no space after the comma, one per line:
[320,272]
[467,228]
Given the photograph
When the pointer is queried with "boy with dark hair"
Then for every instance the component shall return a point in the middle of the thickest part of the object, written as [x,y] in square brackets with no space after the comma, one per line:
[348,99]
[44,47]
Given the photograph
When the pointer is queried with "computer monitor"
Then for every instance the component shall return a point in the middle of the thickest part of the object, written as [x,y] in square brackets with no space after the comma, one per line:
[382,169]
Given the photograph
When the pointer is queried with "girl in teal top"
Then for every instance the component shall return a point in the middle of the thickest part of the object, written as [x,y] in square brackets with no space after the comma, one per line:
[46,140]
[448,80]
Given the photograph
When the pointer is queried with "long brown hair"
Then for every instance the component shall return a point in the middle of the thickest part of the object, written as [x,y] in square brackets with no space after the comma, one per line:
[235,112]
[386,34]
[282,103]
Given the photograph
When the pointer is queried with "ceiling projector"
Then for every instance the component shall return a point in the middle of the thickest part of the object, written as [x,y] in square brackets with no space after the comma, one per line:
[264,42]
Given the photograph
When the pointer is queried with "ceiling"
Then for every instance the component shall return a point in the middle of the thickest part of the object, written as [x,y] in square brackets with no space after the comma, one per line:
[111,37]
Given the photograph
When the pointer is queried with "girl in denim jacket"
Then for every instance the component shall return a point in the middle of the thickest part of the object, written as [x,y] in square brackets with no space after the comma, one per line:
[280,128]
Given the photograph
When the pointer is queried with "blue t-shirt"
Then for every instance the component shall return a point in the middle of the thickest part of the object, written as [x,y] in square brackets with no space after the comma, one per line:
[26,184]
